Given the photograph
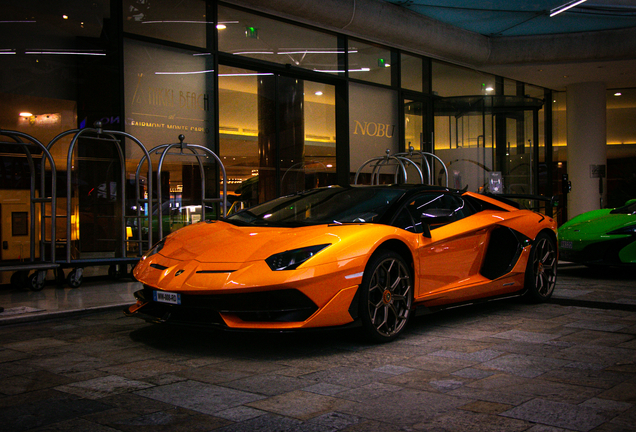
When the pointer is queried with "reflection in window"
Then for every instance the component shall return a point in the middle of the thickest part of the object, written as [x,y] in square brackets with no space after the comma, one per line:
[369,62]
[450,80]
[245,34]
[411,72]
[253,135]
[183,21]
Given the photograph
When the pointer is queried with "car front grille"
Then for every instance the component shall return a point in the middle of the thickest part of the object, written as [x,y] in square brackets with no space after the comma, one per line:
[288,305]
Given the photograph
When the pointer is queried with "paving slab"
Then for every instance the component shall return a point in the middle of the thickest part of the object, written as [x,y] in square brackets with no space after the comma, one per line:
[567,365]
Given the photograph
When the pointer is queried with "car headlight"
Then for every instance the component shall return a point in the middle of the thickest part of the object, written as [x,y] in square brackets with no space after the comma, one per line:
[291,259]
[629,230]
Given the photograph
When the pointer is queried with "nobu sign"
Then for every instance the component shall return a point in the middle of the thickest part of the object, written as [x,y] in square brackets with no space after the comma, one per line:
[374,129]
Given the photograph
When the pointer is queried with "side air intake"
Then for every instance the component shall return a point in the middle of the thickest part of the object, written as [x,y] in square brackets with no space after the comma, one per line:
[504,249]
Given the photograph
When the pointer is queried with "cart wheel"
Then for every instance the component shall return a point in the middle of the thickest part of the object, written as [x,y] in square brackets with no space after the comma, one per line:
[36,281]
[19,279]
[114,272]
[74,278]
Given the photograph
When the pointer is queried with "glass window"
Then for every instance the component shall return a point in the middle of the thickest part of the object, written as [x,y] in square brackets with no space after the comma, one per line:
[168,92]
[183,21]
[430,202]
[510,87]
[243,95]
[369,62]
[245,34]
[411,72]
[414,119]
[253,134]
[451,80]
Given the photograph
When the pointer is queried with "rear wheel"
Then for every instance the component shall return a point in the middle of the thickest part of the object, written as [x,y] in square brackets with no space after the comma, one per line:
[386,296]
[541,271]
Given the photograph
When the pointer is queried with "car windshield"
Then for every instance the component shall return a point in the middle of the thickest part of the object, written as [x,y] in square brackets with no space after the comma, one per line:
[629,209]
[332,205]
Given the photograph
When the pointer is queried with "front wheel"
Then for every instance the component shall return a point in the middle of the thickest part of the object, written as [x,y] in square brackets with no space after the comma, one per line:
[541,271]
[386,296]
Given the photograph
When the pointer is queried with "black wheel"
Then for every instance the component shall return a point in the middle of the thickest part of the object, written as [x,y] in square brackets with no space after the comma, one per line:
[541,270]
[386,296]
[36,283]
[74,278]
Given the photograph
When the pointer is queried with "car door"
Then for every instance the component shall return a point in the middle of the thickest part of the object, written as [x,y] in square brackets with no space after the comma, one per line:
[448,262]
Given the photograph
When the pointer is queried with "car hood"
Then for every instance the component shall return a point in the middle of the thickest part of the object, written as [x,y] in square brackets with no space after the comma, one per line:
[597,222]
[223,242]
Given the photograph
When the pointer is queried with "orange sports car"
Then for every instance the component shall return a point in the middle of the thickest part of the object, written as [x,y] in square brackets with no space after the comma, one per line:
[339,256]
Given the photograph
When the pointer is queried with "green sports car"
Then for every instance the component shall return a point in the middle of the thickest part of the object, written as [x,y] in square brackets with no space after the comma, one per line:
[600,237]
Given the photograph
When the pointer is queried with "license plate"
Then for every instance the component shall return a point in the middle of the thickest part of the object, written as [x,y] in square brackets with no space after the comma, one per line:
[566,244]
[166,297]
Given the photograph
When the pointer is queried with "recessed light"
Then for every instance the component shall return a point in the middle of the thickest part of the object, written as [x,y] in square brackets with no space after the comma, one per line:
[618,94]
[221,26]
[65,16]
[25,114]
[318,93]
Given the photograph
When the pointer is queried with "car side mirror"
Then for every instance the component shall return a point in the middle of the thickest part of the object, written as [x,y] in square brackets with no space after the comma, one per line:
[435,217]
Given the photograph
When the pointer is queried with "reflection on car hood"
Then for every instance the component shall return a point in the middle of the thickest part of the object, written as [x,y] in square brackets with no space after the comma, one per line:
[223,242]
[597,222]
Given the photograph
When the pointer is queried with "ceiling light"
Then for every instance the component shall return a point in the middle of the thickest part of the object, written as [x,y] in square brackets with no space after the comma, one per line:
[65,16]
[618,94]
[565,7]
[185,73]
[25,114]
[489,88]
[318,93]
[221,26]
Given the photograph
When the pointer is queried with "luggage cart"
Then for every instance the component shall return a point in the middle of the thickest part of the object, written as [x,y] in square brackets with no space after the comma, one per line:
[22,267]
[77,263]
[423,158]
[198,152]
[399,162]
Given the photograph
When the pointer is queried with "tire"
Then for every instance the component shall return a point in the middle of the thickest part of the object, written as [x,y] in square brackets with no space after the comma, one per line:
[386,297]
[75,277]
[35,283]
[541,271]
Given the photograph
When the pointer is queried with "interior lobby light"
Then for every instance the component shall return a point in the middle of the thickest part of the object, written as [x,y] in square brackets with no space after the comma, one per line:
[564,7]
[318,93]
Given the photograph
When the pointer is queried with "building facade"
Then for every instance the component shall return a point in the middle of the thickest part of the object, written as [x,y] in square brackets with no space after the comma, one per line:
[287,104]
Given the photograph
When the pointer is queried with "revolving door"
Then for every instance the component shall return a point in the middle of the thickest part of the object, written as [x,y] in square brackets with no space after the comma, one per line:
[479,137]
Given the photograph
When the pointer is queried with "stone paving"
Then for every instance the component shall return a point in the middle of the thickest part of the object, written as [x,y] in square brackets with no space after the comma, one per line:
[504,366]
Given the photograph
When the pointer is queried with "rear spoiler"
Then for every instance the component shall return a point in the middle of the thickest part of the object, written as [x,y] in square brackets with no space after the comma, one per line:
[509,199]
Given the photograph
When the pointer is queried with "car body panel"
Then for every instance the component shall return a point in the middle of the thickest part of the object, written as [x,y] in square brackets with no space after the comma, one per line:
[219,262]
[592,238]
